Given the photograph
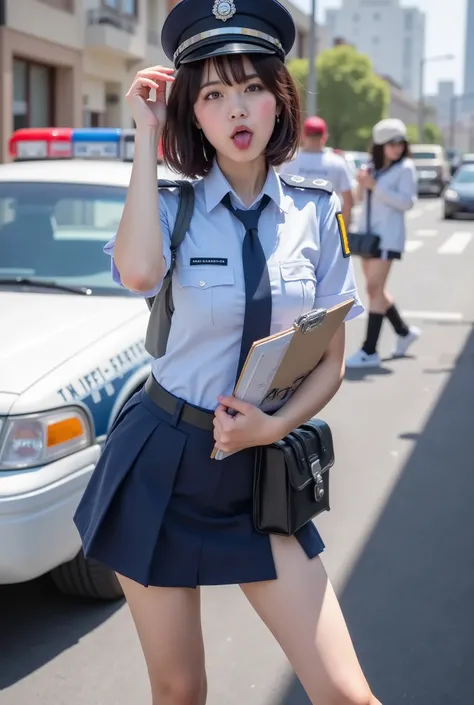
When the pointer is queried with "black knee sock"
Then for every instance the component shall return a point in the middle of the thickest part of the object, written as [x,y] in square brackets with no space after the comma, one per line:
[374,326]
[397,321]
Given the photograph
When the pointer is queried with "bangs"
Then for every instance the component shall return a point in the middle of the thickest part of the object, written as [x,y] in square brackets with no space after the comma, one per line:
[230,68]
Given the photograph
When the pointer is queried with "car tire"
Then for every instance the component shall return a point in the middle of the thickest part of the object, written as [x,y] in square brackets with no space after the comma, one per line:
[448,216]
[83,577]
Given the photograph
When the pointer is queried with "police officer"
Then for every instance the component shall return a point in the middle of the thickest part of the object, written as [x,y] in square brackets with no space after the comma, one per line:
[158,510]
[315,161]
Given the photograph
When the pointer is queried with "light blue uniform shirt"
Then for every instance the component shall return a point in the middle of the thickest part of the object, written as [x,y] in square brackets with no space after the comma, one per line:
[301,240]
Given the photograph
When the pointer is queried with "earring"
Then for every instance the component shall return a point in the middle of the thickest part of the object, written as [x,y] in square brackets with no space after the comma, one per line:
[278,120]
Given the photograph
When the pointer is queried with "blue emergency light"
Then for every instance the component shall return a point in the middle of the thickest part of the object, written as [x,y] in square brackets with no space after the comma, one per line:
[96,143]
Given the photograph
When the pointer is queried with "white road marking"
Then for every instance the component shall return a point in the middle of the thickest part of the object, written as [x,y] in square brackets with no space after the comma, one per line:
[441,316]
[438,316]
[416,213]
[426,233]
[456,244]
[432,206]
[413,245]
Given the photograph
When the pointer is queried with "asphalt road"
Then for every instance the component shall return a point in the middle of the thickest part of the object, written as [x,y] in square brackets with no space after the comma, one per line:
[400,539]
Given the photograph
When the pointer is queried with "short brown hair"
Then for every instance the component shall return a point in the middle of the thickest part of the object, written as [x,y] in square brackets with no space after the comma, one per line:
[186,149]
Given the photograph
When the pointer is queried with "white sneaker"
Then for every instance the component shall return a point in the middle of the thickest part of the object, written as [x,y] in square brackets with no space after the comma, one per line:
[361,359]
[404,341]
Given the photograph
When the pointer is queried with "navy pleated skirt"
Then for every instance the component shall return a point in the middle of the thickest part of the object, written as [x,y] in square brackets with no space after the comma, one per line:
[160,511]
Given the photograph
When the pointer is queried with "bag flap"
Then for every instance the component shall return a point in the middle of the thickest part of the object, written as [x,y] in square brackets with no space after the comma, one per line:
[312,455]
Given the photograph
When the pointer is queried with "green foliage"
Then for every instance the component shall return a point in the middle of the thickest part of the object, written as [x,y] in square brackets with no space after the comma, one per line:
[351,97]
[412,134]
[432,134]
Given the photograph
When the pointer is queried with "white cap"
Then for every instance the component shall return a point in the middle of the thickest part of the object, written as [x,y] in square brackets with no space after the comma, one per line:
[389,130]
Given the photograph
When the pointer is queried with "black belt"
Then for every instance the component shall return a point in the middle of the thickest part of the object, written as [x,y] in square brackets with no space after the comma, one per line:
[169,403]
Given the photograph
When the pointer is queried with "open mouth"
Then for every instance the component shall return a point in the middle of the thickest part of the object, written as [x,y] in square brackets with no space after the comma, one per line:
[242,137]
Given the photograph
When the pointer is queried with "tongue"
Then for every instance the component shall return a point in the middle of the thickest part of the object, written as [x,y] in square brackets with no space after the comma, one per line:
[242,140]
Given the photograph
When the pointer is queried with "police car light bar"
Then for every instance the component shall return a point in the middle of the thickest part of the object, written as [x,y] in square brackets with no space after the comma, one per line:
[43,143]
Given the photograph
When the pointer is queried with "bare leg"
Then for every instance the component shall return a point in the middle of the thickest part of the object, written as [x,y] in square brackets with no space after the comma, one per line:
[376,273]
[302,612]
[168,622]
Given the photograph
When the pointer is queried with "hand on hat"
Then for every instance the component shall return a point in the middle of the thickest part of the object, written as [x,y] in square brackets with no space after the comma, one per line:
[148,113]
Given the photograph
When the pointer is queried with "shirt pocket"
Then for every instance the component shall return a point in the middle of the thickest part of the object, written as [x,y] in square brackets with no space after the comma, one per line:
[208,292]
[298,288]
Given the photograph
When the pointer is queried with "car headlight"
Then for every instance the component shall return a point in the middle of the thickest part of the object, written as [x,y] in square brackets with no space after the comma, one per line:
[451,195]
[37,439]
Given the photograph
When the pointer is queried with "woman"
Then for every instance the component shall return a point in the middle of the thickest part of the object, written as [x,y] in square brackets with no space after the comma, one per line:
[158,510]
[390,182]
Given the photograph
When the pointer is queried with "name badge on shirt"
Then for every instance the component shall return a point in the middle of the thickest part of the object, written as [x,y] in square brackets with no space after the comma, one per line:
[217,261]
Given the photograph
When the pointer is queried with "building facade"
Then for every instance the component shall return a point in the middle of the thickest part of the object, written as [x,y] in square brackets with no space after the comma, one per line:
[69,63]
[392,36]
[40,77]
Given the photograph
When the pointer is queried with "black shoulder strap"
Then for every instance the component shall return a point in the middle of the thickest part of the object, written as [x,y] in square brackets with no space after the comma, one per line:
[183,218]
[303,182]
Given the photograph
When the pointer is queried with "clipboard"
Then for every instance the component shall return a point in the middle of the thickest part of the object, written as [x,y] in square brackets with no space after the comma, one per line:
[277,365]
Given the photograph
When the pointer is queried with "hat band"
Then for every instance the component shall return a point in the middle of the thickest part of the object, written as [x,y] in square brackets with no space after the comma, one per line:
[226,32]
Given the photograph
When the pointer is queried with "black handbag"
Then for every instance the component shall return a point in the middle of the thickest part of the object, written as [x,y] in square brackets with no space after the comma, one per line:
[291,480]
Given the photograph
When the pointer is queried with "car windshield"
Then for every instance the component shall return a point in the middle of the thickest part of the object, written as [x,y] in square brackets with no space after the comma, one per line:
[464,176]
[55,233]
[425,155]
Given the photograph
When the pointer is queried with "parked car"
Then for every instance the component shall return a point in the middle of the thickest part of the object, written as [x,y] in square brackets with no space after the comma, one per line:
[459,196]
[72,350]
[432,165]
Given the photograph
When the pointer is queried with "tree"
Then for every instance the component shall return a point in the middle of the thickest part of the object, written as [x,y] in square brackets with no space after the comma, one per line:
[412,134]
[432,134]
[351,97]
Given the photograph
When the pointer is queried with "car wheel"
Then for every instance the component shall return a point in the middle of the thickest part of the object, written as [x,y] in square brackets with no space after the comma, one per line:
[83,577]
[448,216]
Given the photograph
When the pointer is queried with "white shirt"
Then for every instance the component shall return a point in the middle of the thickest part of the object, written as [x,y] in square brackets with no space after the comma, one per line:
[300,237]
[395,193]
[321,165]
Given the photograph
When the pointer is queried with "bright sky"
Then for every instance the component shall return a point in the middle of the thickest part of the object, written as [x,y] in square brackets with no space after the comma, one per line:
[445,34]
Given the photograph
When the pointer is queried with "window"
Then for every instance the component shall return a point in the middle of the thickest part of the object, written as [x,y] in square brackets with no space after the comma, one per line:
[56,232]
[129,7]
[33,94]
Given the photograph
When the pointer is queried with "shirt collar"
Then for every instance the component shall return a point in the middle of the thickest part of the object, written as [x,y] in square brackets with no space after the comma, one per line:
[216,187]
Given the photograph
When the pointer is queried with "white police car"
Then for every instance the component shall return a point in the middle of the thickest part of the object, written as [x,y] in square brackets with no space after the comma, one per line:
[72,345]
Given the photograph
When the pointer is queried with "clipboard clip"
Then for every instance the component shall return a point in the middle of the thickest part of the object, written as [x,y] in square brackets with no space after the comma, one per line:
[311,320]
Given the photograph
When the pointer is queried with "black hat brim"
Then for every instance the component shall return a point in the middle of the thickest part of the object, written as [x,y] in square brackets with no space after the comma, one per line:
[223,49]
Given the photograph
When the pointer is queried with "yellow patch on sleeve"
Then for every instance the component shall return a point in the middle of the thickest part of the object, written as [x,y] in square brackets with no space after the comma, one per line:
[346,252]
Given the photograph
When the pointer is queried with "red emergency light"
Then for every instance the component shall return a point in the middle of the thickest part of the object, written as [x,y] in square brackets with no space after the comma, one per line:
[41,143]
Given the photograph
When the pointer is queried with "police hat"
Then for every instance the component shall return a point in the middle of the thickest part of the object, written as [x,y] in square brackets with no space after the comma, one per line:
[199,29]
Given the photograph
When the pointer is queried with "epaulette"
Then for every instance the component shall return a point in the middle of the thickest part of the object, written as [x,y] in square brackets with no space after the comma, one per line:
[302,182]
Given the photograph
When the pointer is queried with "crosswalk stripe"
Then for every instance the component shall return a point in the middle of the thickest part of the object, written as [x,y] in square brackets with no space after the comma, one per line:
[413,245]
[456,244]
[426,233]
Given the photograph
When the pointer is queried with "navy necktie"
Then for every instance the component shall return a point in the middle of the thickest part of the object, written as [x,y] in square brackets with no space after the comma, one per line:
[258,293]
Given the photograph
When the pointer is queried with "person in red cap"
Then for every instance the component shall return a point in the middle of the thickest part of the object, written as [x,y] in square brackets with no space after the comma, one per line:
[314,161]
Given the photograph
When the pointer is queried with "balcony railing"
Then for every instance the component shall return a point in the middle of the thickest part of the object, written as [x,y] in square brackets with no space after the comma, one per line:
[112,18]
[64,5]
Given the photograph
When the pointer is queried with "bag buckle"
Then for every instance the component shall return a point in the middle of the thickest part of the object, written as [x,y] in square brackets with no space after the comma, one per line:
[316,471]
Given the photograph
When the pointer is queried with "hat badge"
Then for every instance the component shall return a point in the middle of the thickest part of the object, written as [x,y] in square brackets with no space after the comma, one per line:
[224,10]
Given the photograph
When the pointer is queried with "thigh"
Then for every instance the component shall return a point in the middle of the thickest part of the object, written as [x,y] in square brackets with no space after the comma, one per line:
[376,272]
[168,622]
[301,610]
